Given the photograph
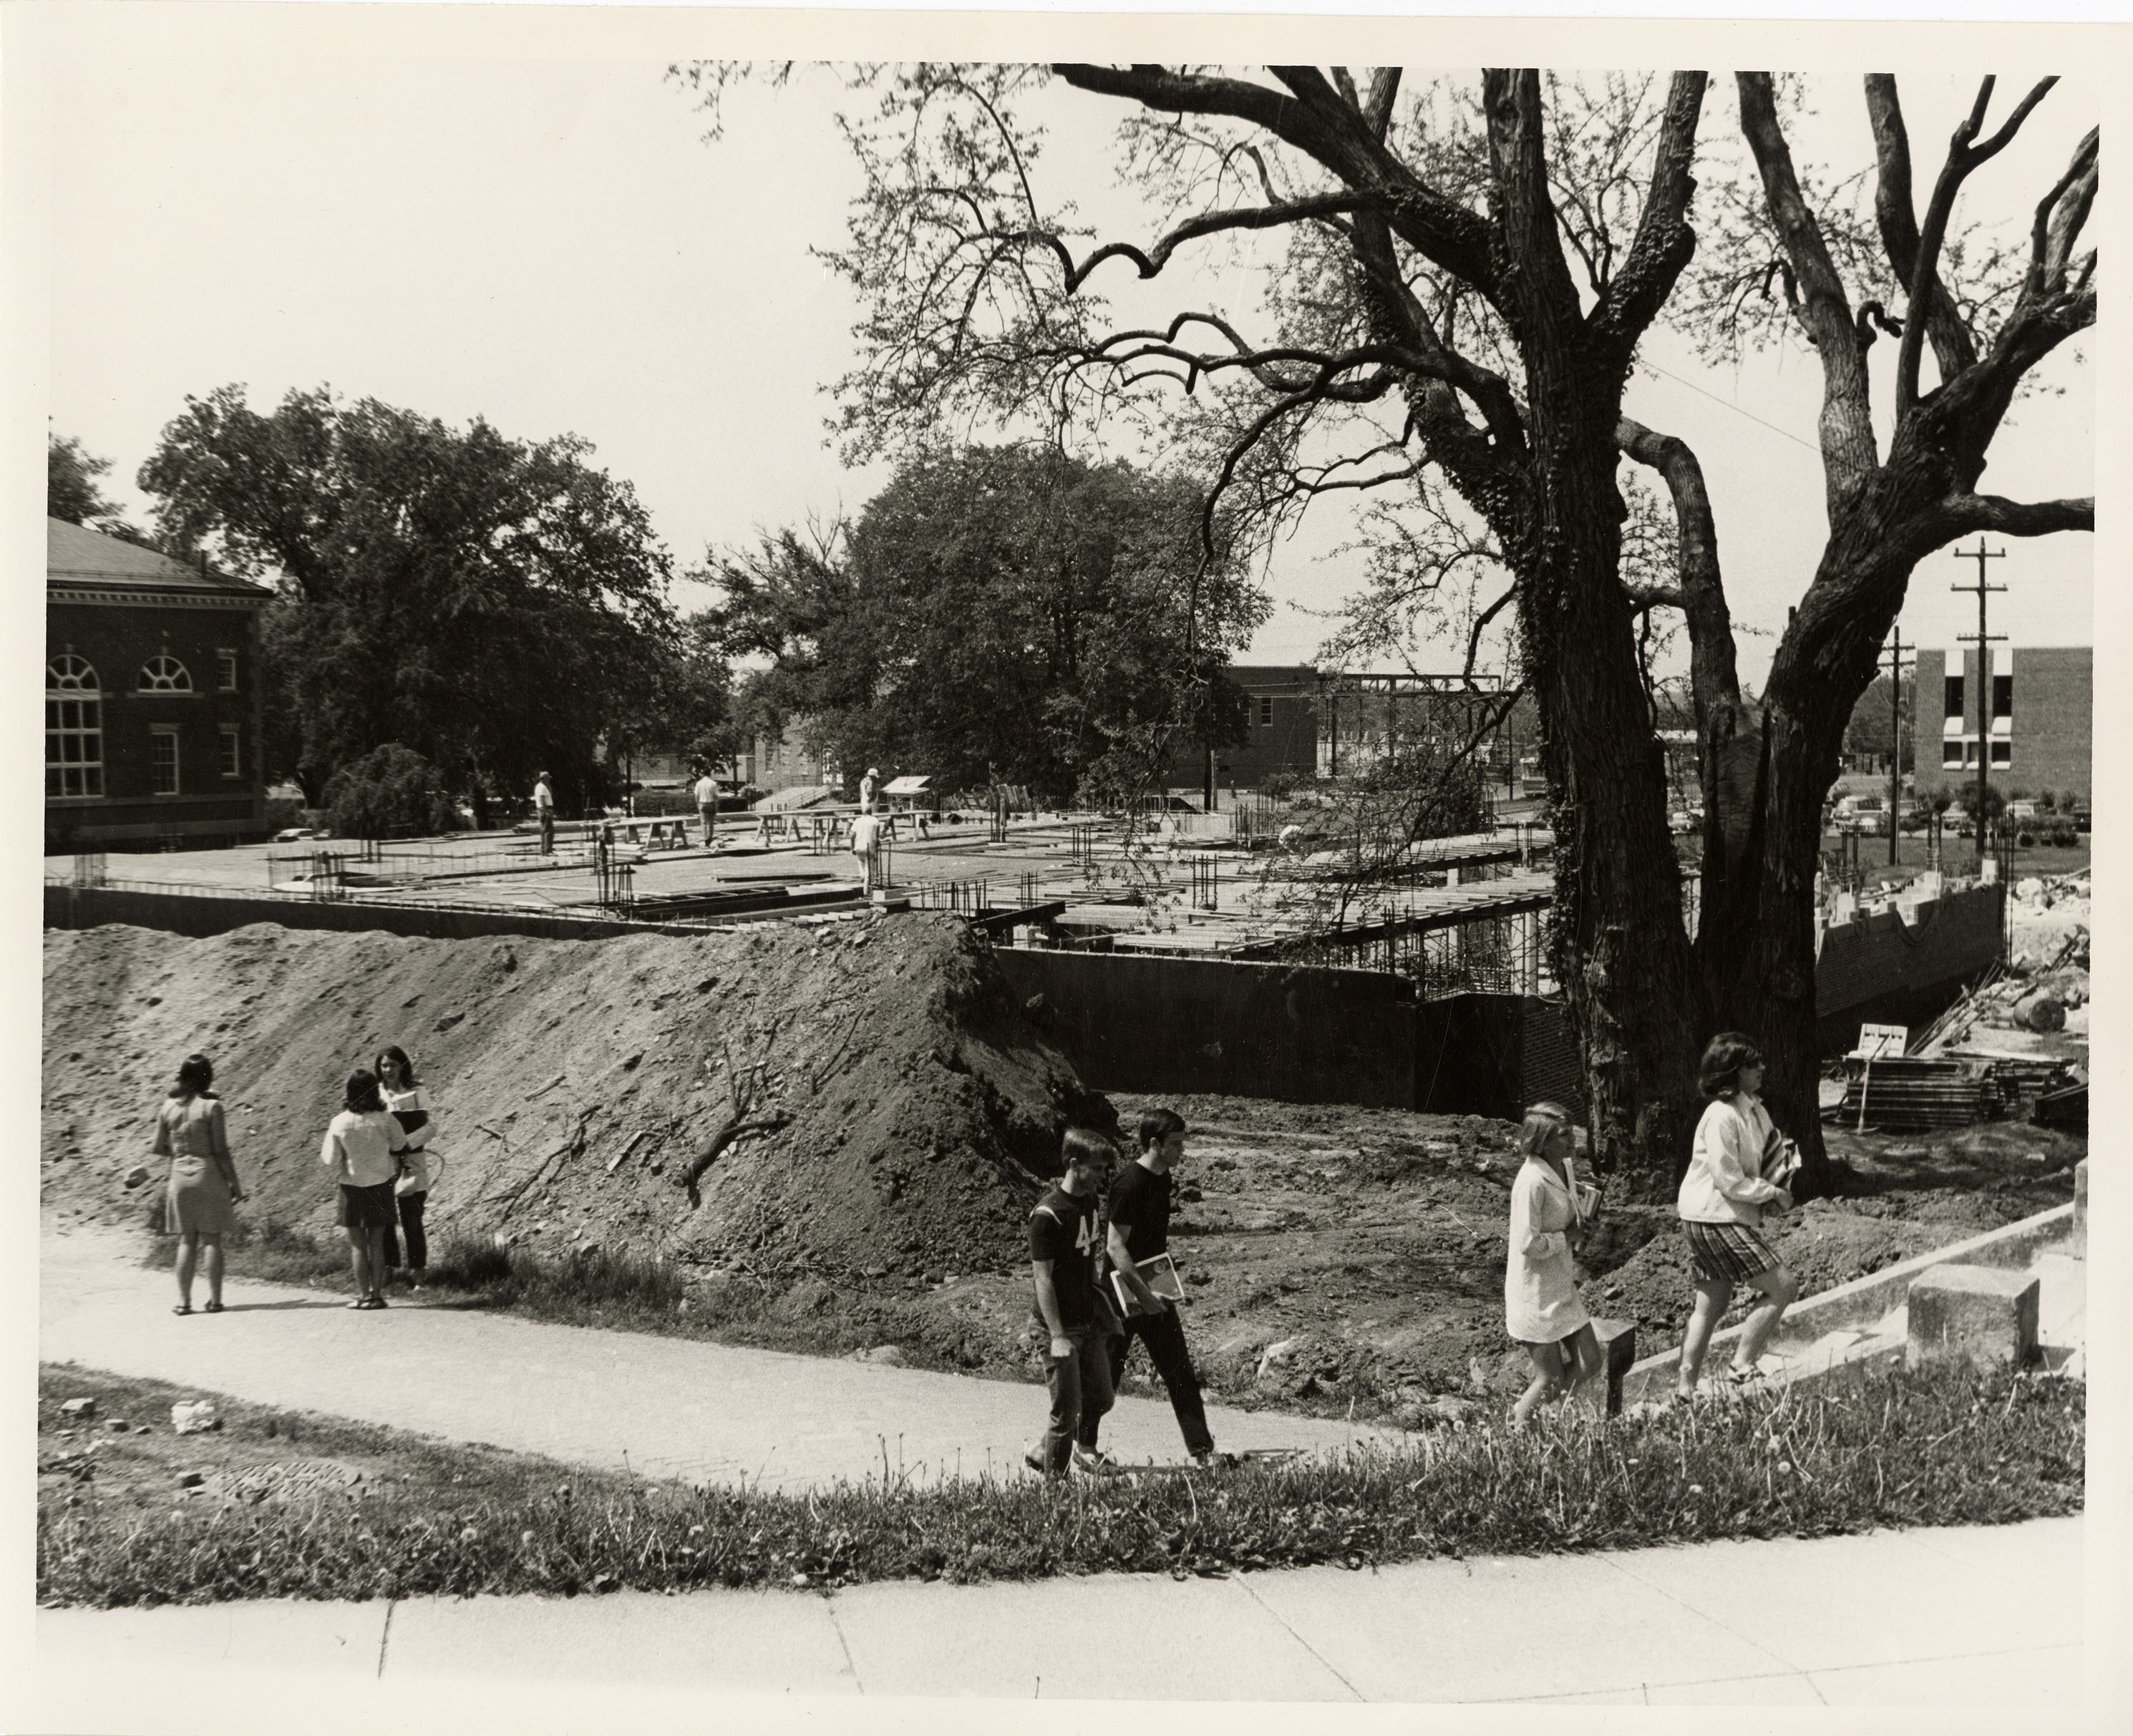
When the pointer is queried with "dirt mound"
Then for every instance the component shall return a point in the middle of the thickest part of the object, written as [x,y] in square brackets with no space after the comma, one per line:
[576,1081]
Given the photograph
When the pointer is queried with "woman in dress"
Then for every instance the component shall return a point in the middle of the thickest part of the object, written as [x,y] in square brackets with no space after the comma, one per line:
[404,1099]
[1721,1203]
[203,1188]
[361,1153]
[1541,1308]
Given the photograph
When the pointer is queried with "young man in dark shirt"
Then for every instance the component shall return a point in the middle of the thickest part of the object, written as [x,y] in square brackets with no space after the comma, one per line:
[1062,1263]
[1139,1230]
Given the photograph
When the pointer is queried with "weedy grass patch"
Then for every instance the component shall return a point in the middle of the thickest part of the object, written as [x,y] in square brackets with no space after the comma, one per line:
[1944,1445]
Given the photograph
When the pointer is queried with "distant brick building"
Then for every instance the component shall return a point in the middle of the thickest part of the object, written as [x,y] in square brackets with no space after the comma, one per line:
[152,699]
[2041,718]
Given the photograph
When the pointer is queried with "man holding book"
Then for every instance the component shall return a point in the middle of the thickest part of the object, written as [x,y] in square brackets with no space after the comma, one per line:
[1139,1243]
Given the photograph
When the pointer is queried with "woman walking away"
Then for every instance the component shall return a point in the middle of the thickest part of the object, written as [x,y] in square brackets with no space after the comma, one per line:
[203,1182]
[361,1153]
[1541,1308]
[403,1100]
[1729,1186]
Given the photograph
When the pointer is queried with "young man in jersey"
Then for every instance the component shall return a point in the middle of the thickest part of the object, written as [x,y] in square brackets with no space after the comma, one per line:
[1062,1264]
[1139,1230]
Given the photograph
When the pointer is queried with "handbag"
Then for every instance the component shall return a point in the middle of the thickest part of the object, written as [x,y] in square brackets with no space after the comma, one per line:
[159,1209]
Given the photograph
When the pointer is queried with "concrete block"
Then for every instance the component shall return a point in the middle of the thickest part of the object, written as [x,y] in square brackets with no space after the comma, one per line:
[2078,1246]
[1618,1351]
[1983,1312]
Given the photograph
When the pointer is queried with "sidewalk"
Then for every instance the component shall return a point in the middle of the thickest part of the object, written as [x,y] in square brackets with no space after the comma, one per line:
[661,1407]
[1984,1619]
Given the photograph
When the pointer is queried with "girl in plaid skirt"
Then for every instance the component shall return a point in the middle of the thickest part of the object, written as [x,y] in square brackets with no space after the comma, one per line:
[1721,1203]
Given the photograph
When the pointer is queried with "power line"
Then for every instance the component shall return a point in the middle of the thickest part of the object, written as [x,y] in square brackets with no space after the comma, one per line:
[1732,407]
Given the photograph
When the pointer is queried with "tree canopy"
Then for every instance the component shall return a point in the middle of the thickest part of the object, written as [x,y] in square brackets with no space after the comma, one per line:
[1005,615]
[1457,278]
[71,490]
[496,606]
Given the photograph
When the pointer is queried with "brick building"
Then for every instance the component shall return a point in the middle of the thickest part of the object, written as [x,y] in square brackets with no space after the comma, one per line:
[2041,720]
[152,699]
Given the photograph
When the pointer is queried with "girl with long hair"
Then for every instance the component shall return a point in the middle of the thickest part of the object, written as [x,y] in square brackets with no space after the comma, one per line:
[202,1191]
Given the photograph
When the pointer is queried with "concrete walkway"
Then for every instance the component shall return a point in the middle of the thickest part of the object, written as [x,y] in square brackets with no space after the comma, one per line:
[1986,1619]
[661,1407]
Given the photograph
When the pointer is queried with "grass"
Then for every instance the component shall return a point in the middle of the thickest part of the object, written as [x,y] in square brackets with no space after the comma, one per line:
[1944,1445]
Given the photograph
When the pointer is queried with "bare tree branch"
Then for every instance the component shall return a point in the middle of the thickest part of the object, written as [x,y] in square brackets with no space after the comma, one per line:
[1953,350]
[1963,158]
[1991,512]
[1849,454]
[1210,223]
[1664,240]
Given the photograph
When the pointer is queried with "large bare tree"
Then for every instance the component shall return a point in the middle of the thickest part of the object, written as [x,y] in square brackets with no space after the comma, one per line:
[1467,274]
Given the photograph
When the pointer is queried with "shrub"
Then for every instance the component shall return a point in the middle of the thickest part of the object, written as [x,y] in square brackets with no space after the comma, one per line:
[390,792]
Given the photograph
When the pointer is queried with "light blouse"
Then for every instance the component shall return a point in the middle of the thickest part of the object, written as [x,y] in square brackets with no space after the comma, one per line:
[416,1178]
[358,1148]
[1724,1183]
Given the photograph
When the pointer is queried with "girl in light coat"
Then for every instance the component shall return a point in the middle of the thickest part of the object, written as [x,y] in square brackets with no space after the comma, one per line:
[1541,1308]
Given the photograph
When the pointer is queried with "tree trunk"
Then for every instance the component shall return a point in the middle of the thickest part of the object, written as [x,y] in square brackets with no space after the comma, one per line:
[1622,951]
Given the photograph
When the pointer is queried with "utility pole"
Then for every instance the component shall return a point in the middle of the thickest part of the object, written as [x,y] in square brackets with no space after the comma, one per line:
[1981,554]
[1896,736]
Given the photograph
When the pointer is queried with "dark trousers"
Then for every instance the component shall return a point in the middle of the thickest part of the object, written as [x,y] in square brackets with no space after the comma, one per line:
[1080,1388]
[547,831]
[1164,1335]
[411,1226]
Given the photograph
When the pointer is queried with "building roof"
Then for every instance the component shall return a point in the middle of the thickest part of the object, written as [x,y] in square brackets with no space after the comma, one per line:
[78,558]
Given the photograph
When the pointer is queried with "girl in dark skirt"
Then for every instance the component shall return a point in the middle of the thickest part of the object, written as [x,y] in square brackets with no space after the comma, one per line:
[1722,1200]
[361,1152]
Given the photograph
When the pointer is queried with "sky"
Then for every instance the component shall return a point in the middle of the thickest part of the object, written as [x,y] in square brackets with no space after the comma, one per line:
[471,223]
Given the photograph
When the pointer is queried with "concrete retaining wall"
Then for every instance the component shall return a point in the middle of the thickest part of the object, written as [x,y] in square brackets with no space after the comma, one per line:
[198,916]
[1864,1301]
[1302,1035]
[1904,964]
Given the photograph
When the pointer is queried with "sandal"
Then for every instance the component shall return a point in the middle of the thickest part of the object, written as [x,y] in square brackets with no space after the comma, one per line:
[212,1308]
[183,1308]
[1738,1376]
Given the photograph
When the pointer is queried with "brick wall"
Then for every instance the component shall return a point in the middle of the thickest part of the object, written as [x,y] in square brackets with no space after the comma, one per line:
[117,642]
[2051,732]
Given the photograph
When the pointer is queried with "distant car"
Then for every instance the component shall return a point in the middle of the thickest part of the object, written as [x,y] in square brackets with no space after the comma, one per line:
[295,834]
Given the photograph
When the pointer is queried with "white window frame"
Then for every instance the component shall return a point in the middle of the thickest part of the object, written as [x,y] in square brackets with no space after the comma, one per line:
[231,752]
[157,733]
[1266,711]
[225,669]
[165,674]
[71,680]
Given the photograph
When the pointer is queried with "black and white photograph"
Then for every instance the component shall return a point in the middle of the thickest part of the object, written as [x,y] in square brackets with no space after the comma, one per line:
[1075,885]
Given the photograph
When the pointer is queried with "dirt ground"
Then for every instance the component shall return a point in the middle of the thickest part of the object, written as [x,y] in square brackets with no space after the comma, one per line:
[904,1111]
[1338,1260]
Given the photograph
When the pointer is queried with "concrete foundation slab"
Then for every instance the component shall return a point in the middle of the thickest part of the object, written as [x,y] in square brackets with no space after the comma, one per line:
[1981,1312]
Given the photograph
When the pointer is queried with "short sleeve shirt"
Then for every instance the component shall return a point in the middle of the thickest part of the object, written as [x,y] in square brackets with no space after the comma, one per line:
[1140,1206]
[1063,1229]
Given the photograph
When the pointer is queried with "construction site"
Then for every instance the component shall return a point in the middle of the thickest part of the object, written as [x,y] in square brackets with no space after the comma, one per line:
[831,1110]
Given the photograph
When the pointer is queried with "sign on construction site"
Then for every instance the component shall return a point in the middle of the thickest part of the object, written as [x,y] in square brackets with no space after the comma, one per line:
[1876,1041]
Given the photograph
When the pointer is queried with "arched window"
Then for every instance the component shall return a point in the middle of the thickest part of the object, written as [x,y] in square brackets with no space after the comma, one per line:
[164,674]
[73,729]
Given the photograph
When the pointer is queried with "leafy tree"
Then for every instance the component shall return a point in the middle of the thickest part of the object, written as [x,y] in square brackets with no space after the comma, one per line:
[71,491]
[389,792]
[1469,271]
[498,606]
[689,709]
[1007,615]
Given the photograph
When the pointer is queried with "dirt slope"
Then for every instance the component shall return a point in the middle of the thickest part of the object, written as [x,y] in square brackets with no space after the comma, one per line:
[574,1080]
